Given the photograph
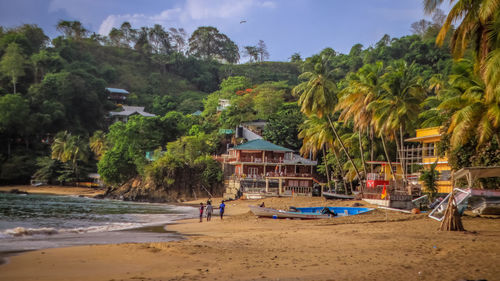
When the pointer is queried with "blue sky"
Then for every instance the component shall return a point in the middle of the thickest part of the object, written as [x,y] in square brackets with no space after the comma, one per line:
[286,26]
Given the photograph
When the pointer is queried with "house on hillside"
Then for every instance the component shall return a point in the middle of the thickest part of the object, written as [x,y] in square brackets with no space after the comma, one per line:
[223,105]
[118,96]
[259,168]
[128,111]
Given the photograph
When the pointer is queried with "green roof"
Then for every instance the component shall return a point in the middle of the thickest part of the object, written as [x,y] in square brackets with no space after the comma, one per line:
[261,144]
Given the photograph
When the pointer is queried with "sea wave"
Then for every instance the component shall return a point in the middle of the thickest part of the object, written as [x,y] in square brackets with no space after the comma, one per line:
[49,231]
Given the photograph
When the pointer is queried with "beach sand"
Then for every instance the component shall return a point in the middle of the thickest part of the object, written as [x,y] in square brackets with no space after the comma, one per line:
[55,190]
[377,246]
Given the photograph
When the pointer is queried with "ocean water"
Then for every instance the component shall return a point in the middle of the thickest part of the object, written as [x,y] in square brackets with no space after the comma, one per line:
[29,222]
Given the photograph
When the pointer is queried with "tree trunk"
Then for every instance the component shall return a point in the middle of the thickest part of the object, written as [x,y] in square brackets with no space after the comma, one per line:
[326,170]
[399,151]
[387,158]
[340,169]
[345,151]
[361,151]
[403,159]
[8,146]
[14,83]
[372,150]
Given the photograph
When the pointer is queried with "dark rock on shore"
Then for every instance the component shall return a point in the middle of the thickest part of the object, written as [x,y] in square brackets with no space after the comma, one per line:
[17,191]
[187,186]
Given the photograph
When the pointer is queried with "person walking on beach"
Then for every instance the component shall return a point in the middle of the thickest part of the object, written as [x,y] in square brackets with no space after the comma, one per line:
[222,206]
[201,211]
[209,211]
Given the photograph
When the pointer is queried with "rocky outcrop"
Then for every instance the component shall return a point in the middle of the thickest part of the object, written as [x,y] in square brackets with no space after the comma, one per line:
[186,186]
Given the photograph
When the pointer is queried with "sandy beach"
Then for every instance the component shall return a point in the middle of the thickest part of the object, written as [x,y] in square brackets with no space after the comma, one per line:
[377,246]
[55,190]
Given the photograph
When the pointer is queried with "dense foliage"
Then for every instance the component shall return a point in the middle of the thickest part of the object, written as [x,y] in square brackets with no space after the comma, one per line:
[344,109]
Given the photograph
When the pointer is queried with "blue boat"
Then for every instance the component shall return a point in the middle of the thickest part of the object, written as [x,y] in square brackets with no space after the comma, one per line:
[309,212]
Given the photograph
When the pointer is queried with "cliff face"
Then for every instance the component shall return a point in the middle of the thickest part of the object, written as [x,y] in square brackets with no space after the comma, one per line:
[187,186]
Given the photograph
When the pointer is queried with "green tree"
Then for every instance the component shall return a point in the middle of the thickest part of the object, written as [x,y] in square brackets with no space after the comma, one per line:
[317,96]
[12,63]
[282,127]
[98,144]
[476,26]
[395,110]
[429,178]
[70,149]
[207,42]
[72,29]
[473,116]
[14,111]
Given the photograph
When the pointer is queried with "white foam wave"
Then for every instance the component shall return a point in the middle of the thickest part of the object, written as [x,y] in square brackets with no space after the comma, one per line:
[22,231]
[151,221]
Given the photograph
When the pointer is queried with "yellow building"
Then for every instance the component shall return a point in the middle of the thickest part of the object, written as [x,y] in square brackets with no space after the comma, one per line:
[426,155]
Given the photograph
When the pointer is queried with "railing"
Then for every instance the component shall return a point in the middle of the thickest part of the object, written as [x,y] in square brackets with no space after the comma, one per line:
[298,190]
[375,177]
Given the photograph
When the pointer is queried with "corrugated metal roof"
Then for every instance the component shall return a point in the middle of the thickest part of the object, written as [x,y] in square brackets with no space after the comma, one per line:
[260,144]
[129,110]
[118,91]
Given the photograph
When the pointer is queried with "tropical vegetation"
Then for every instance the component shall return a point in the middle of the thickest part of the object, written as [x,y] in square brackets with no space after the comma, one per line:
[341,109]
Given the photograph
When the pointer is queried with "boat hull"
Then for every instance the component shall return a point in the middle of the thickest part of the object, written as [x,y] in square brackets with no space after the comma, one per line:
[307,213]
[333,196]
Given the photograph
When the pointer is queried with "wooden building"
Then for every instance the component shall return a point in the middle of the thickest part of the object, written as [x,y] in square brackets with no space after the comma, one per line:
[118,96]
[259,168]
[425,153]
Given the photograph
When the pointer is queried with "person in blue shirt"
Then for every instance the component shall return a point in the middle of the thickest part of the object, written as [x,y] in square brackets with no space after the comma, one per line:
[222,206]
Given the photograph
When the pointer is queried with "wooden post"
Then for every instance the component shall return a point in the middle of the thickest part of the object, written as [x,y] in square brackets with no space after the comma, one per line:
[267,185]
[280,185]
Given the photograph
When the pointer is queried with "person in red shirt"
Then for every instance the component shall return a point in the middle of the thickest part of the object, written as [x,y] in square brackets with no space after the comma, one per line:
[201,211]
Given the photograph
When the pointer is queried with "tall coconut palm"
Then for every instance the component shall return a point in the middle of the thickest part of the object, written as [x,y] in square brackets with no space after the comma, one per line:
[317,96]
[476,18]
[316,134]
[363,87]
[472,114]
[395,110]
[315,138]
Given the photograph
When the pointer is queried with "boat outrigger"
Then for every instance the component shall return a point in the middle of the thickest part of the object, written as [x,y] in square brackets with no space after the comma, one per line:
[308,213]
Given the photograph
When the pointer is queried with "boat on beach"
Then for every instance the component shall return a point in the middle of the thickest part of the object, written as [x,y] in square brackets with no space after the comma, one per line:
[308,213]
[334,196]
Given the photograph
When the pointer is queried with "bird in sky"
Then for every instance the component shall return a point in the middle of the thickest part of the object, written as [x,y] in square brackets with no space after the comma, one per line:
[243,21]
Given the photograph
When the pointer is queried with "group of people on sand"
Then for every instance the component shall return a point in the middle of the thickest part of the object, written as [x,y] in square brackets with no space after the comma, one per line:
[209,210]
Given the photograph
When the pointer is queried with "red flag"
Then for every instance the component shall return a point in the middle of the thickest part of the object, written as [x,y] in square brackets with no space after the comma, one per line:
[384,192]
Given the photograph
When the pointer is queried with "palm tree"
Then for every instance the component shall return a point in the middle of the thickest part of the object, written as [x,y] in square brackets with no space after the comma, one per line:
[363,87]
[475,27]
[472,114]
[98,144]
[317,96]
[317,136]
[395,110]
[69,148]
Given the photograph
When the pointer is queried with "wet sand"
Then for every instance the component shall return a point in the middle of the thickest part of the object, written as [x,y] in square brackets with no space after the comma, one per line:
[377,246]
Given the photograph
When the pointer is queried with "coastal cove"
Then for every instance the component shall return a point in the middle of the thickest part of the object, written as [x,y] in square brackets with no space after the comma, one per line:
[38,220]
[382,245]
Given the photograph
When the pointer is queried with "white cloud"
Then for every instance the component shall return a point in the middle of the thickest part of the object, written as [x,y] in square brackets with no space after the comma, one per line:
[191,14]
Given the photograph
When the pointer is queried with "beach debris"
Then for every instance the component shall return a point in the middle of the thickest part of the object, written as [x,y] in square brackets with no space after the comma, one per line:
[452,220]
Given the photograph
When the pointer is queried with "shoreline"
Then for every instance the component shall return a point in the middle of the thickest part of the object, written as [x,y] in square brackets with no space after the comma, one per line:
[376,246]
[55,190]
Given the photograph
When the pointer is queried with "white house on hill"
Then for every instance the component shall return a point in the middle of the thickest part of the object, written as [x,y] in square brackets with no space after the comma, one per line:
[127,112]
